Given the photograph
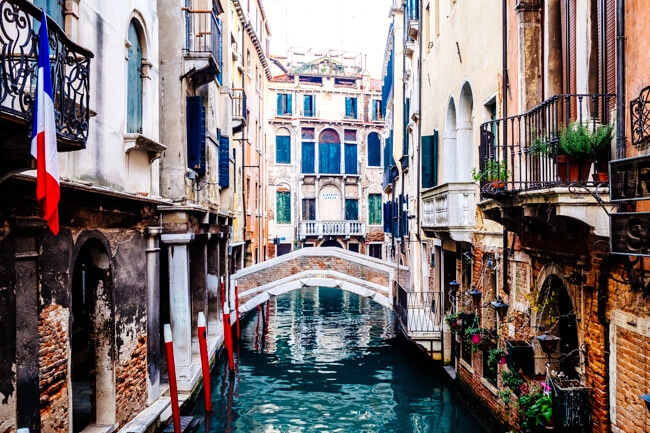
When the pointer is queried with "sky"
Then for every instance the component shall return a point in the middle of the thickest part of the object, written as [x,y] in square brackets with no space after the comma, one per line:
[347,25]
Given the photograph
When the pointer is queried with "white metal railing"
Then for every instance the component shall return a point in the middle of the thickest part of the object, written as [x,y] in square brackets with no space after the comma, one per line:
[332,228]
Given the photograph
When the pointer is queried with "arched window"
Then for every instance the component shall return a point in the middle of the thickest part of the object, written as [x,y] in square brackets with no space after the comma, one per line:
[329,152]
[374,150]
[134,82]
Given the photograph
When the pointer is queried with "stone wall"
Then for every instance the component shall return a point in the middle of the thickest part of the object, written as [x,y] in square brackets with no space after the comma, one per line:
[53,371]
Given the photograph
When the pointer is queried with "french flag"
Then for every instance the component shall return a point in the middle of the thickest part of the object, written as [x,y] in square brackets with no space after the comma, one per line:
[44,136]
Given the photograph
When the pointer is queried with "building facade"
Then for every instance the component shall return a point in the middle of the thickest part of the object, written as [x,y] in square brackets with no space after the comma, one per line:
[324,146]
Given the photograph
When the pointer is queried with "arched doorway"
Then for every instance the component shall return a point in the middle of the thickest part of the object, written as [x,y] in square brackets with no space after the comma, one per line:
[557,316]
[91,337]
[331,243]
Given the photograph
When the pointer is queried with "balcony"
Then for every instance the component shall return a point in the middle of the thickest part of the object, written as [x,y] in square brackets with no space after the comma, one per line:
[203,46]
[537,189]
[448,211]
[331,228]
[239,113]
[70,65]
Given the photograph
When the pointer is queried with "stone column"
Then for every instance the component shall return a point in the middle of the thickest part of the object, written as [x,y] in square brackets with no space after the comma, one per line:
[179,302]
[153,314]
[530,47]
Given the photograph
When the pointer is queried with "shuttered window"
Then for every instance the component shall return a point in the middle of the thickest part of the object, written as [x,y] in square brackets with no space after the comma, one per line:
[134,83]
[309,106]
[351,107]
[568,19]
[283,203]
[283,149]
[329,152]
[374,150]
[54,9]
[284,104]
[388,217]
[351,209]
[308,151]
[195,134]
[430,160]
[308,209]
[351,158]
[224,161]
[374,209]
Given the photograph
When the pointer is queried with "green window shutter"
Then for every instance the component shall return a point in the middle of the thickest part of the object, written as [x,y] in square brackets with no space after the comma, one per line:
[434,157]
[134,83]
[427,164]
[374,209]
[282,149]
[351,209]
[283,210]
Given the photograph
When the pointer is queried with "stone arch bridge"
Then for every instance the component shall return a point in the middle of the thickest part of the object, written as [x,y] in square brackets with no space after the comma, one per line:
[419,313]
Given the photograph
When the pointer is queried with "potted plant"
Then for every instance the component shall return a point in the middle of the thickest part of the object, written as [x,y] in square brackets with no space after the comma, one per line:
[473,333]
[496,356]
[493,171]
[540,147]
[454,321]
[578,145]
[538,411]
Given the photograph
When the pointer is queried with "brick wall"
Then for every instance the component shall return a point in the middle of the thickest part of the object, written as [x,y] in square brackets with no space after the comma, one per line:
[131,383]
[53,371]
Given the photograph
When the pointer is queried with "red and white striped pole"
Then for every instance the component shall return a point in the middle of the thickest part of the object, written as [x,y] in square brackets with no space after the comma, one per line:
[227,331]
[237,310]
[171,369]
[205,365]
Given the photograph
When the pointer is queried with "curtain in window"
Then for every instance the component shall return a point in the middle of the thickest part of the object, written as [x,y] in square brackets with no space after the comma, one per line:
[283,211]
[374,209]
[351,209]
[282,149]
[308,155]
[374,150]
[351,158]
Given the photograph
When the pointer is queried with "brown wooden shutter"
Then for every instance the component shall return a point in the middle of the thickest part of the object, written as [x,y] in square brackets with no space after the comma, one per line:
[568,18]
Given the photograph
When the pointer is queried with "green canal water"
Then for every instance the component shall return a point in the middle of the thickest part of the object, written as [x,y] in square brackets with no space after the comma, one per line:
[324,360]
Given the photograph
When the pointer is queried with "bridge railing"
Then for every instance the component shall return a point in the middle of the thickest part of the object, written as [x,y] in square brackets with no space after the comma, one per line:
[419,312]
[332,228]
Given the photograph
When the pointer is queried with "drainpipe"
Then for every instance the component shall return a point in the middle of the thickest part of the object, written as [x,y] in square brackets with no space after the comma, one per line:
[419,142]
[504,59]
[620,79]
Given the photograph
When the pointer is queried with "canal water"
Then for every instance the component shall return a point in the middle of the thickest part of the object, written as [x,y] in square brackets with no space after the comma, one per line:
[325,360]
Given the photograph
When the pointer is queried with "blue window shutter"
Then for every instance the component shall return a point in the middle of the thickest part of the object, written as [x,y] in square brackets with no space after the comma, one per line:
[427,162]
[348,106]
[289,108]
[54,9]
[329,158]
[224,161]
[351,158]
[308,157]
[374,150]
[195,134]
[282,149]
[279,107]
[388,217]
[351,209]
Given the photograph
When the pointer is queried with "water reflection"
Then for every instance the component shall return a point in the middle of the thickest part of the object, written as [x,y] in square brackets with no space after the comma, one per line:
[324,360]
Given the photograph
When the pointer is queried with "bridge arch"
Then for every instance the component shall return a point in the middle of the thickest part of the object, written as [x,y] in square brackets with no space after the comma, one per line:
[308,267]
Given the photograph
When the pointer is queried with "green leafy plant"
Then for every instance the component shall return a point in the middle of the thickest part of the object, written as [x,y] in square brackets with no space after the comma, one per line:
[453,321]
[580,142]
[471,330]
[493,170]
[537,409]
[511,379]
[494,357]
[540,147]
[506,397]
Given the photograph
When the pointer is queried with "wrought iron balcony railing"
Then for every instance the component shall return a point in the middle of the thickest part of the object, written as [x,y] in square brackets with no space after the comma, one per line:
[204,34]
[525,149]
[332,228]
[70,66]
[640,115]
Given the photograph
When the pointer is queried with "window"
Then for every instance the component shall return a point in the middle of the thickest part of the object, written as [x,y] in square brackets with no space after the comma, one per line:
[308,209]
[350,152]
[283,147]
[430,160]
[377,110]
[374,250]
[374,209]
[284,248]
[134,84]
[309,106]
[283,211]
[374,150]
[284,104]
[248,62]
[354,247]
[195,119]
[351,209]
[308,151]
[350,107]
[54,9]
[329,152]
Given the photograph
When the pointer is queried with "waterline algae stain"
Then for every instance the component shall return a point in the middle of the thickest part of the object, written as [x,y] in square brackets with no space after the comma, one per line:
[324,360]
